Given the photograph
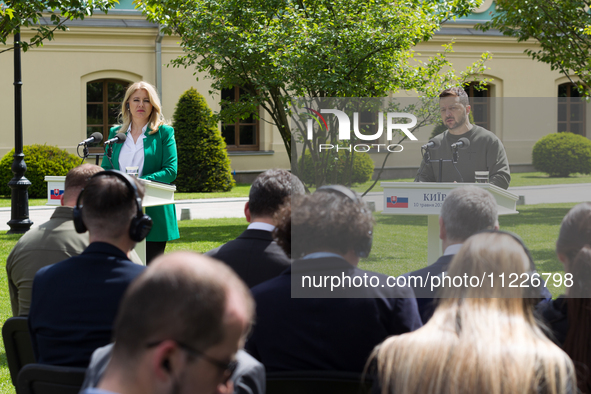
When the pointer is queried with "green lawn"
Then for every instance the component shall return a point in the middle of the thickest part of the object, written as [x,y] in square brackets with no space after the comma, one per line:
[242,189]
[517,180]
[399,247]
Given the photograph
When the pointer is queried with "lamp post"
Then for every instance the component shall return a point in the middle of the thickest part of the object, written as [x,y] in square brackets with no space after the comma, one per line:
[19,217]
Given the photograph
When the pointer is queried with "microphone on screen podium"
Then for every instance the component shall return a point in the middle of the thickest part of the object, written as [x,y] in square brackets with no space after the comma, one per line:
[118,139]
[94,137]
[463,143]
[433,144]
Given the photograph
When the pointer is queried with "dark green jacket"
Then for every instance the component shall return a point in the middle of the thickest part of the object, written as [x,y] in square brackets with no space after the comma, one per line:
[160,164]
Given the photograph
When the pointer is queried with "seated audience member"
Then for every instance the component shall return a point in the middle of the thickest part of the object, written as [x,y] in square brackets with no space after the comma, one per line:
[299,328]
[465,211]
[479,339]
[178,329]
[569,316]
[50,243]
[74,302]
[254,255]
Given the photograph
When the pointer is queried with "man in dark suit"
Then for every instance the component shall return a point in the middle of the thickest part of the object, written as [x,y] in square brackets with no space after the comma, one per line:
[178,330]
[465,211]
[306,323]
[74,302]
[254,255]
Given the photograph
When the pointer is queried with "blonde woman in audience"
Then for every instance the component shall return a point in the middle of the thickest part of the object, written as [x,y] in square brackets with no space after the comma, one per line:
[480,339]
[569,316]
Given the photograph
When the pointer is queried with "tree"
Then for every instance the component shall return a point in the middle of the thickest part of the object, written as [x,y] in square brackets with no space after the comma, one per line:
[279,49]
[561,28]
[28,13]
[204,165]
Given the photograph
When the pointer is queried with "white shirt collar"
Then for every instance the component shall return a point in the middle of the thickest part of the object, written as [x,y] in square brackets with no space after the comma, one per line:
[143,128]
[261,226]
[452,249]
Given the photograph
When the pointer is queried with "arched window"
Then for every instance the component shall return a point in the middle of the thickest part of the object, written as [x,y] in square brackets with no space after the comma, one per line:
[571,110]
[244,133]
[480,104]
[103,102]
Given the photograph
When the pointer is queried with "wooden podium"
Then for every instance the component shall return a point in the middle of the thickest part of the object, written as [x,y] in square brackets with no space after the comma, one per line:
[422,198]
[156,194]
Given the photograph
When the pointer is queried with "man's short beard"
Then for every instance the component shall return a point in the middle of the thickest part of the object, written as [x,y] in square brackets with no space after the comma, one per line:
[459,123]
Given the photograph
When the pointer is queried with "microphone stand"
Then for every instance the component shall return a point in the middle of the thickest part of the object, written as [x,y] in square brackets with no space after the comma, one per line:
[427,159]
[110,153]
[84,152]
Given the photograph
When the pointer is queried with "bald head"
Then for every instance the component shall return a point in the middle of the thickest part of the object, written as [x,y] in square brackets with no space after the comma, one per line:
[185,297]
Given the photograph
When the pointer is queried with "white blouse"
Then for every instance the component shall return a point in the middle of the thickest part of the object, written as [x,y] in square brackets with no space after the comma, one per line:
[132,153]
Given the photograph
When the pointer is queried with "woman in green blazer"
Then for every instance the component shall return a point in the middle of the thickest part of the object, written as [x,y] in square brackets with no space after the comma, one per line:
[151,147]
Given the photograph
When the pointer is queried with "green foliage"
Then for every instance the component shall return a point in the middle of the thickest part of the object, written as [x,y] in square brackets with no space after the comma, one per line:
[276,50]
[344,168]
[560,27]
[203,165]
[14,14]
[562,154]
[41,160]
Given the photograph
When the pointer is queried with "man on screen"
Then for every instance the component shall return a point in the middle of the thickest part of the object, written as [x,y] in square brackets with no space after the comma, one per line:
[485,152]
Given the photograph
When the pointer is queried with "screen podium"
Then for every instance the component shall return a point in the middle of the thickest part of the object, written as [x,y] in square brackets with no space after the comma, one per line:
[156,194]
[422,198]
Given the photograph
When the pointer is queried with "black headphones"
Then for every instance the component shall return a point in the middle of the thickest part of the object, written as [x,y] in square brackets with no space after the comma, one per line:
[141,224]
[363,246]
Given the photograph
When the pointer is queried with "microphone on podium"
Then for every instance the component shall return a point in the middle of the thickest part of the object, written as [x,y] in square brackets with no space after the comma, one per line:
[433,144]
[118,139]
[94,137]
[462,143]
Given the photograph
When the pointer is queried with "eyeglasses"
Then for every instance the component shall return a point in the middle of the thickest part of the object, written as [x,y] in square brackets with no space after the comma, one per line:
[227,367]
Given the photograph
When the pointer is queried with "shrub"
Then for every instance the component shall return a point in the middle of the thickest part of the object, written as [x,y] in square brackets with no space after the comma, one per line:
[41,160]
[561,154]
[203,163]
[338,168]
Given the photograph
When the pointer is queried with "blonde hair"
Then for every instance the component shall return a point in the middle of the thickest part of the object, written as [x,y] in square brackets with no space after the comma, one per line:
[156,118]
[476,345]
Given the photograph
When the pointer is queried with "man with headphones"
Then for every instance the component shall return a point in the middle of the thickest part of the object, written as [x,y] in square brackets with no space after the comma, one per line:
[74,302]
[303,322]
[178,329]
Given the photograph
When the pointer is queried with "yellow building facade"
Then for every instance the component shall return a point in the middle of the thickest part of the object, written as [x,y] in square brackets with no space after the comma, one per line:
[122,47]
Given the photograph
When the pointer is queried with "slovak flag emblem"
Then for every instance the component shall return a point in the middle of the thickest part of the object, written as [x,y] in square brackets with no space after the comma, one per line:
[396,202]
[56,194]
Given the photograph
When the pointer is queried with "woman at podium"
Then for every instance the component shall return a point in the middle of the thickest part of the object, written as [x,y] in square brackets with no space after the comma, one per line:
[148,152]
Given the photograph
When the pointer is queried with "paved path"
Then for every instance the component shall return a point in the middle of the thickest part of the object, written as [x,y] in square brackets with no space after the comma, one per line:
[234,207]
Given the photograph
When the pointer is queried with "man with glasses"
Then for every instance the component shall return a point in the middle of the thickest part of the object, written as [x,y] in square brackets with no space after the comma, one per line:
[485,151]
[179,327]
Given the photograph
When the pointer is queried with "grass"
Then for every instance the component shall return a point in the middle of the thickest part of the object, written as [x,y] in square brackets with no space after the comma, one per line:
[242,189]
[517,180]
[399,247]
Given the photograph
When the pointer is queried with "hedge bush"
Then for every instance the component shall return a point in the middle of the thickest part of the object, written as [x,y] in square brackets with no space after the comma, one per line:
[41,160]
[203,163]
[562,154]
[338,169]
